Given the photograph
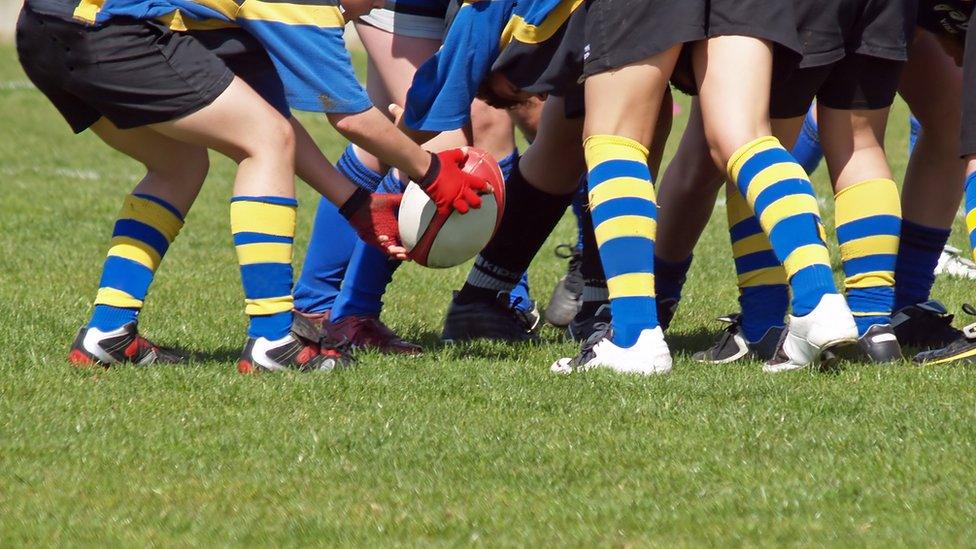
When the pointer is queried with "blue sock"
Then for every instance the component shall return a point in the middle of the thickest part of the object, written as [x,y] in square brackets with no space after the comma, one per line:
[669,280]
[915,128]
[326,259]
[368,273]
[353,168]
[332,242]
[918,253]
[807,150]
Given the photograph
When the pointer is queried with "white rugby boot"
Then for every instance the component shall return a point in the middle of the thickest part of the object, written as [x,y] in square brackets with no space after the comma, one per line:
[812,338]
[649,356]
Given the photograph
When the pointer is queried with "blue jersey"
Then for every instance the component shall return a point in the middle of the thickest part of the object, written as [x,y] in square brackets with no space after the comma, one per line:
[484,35]
[304,40]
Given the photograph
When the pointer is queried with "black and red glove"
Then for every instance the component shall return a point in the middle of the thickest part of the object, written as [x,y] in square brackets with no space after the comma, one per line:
[374,217]
[451,188]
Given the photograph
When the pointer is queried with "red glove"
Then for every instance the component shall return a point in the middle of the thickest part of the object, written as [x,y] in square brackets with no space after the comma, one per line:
[374,216]
[449,187]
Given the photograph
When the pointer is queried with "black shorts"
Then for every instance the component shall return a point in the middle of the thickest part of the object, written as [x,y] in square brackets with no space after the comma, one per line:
[133,73]
[620,32]
[968,138]
[833,29]
[856,82]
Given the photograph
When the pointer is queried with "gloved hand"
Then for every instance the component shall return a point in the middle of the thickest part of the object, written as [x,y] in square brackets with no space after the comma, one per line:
[449,187]
[374,217]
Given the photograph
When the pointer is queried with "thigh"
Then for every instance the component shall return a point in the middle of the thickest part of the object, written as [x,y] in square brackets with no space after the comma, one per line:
[734,78]
[554,161]
[394,60]
[627,101]
[968,139]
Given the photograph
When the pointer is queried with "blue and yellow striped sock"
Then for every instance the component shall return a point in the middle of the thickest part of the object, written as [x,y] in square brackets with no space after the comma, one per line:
[971,212]
[868,216]
[764,295]
[145,228]
[264,230]
[622,204]
[781,197]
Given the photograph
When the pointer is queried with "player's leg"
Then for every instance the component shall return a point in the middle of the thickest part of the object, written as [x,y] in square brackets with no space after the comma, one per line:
[622,107]
[734,74]
[538,193]
[807,149]
[150,219]
[932,86]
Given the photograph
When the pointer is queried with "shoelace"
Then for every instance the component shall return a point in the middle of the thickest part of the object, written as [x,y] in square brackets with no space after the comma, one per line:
[524,318]
[601,331]
[728,334]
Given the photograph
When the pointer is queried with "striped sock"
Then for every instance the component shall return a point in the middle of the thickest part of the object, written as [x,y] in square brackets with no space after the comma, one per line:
[622,204]
[764,295]
[143,232]
[868,216]
[781,196]
[264,230]
[971,212]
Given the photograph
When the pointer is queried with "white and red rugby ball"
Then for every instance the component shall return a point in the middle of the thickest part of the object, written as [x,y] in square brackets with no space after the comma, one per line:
[440,241]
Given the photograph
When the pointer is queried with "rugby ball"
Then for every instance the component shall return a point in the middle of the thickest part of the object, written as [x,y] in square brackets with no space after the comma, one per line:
[440,241]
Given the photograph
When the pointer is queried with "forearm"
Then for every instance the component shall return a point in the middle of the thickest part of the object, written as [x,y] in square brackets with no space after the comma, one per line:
[373,132]
[316,170]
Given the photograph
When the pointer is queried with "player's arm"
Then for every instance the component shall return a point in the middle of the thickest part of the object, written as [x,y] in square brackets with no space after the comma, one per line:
[444,87]
[305,43]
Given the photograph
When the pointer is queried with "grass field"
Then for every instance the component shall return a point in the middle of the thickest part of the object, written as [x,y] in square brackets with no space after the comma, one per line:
[466,445]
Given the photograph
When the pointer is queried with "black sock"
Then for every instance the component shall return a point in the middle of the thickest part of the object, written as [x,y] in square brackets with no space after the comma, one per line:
[595,293]
[530,216]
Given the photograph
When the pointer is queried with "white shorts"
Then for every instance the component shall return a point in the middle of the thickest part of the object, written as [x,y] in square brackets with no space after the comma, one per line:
[405,24]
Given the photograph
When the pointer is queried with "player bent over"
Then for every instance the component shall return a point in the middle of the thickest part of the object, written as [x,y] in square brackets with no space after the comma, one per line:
[163,98]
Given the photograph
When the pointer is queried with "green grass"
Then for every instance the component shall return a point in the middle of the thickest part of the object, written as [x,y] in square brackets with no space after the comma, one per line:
[466,445]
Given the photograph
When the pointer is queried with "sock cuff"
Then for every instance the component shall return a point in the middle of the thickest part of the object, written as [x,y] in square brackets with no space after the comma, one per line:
[354,170]
[271,216]
[151,211]
[390,183]
[865,189]
[173,209]
[623,148]
[747,151]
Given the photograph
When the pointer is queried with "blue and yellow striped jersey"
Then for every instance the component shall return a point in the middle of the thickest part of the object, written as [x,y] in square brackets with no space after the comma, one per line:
[303,38]
[483,36]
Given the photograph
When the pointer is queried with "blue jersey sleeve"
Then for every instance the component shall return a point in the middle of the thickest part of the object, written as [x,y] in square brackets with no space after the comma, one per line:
[444,87]
[305,43]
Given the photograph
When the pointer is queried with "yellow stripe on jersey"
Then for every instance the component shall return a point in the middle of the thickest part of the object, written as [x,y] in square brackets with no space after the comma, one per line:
[293,14]
[87,10]
[176,22]
[528,33]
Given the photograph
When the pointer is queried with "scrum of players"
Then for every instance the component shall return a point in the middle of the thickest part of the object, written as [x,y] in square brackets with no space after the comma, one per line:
[777,87]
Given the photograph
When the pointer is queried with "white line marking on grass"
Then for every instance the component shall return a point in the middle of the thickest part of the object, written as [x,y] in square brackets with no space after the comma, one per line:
[73,173]
[11,85]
